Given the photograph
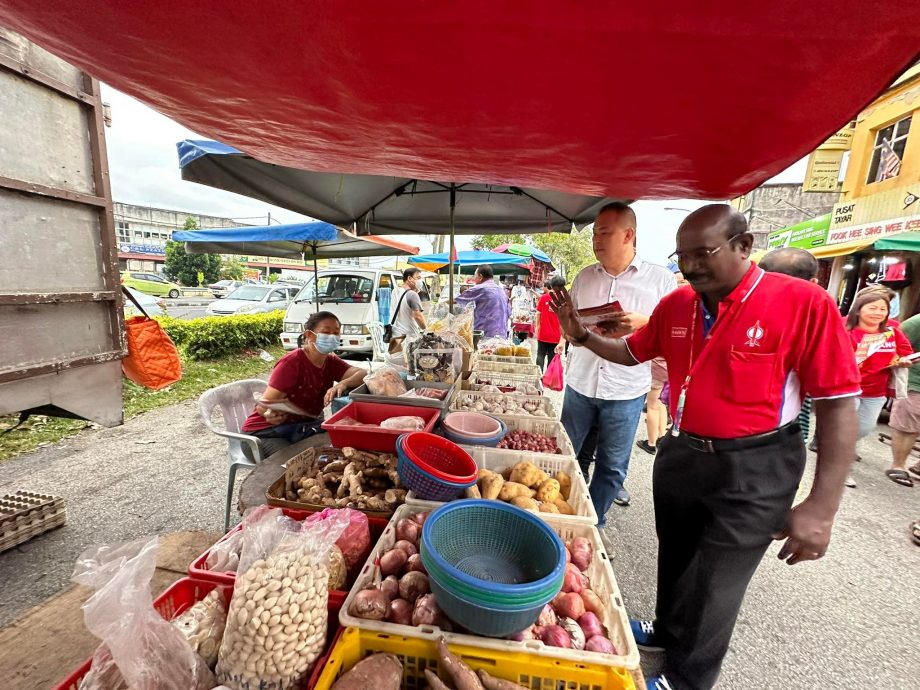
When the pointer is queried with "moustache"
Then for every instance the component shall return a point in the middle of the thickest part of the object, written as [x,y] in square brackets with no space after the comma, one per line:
[695,277]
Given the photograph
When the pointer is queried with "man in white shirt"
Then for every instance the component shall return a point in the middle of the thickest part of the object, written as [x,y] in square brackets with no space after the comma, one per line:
[406,309]
[600,392]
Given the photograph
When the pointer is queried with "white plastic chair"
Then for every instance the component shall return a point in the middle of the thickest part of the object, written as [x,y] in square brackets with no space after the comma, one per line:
[236,402]
[380,347]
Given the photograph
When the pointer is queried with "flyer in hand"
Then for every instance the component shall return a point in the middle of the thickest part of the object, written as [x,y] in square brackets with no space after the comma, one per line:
[600,317]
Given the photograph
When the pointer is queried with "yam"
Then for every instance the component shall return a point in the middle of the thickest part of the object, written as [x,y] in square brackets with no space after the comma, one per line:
[380,671]
[548,491]
[512,490]
[565,484]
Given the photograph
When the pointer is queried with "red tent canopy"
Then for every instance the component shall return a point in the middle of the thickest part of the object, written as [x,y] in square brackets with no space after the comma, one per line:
[628,100]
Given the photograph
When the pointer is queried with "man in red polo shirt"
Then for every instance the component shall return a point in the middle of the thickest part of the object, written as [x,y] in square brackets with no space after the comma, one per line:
[742,346]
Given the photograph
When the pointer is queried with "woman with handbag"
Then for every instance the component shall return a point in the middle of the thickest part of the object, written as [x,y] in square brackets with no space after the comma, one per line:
[302,383]
[878,347]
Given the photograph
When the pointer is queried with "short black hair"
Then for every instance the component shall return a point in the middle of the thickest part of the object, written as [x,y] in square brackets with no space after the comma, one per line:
[317,318]
[485,270]
[619,207]
[791,261]
[409,272]
[557,282]
[737,224]
[548,285]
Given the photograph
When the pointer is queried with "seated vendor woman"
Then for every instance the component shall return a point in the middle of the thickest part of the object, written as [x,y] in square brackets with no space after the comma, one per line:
[302,383]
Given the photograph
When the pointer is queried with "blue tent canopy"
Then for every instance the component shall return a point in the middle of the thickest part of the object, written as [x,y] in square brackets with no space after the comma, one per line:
[473,257]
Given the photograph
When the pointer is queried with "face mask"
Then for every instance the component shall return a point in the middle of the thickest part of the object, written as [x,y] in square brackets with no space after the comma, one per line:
[326,342]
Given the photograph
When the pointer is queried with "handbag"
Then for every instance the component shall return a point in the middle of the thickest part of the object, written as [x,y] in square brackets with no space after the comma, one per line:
[552,379]
[153,360]
[388,328]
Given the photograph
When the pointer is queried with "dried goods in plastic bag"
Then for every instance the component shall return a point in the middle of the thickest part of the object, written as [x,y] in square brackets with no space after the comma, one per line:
[385,381]
[149,652]
[408,423]
[203,625]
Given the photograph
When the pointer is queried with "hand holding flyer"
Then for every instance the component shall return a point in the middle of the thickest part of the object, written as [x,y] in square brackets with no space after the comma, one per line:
[604,320]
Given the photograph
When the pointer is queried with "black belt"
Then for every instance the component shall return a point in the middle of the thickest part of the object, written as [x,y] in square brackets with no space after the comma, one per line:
[718,445]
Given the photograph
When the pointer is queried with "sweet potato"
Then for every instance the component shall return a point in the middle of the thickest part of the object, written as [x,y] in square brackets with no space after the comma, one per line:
[564,506]
[490,484]
[434,682]
[525,502]
[379,671]
[512,490]
[565,484]
[492,683]
[460,673]
[548,491]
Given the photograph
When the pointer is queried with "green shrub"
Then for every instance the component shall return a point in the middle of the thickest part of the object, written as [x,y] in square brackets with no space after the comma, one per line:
[218,336]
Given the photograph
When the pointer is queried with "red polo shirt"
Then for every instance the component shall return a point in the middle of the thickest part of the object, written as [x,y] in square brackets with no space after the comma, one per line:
[774,338]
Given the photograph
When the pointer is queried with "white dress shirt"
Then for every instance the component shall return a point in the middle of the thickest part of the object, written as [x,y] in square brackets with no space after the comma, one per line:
[638,289]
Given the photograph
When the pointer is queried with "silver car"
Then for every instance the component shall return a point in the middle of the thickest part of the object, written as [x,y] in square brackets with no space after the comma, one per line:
[253,299]
[222,288]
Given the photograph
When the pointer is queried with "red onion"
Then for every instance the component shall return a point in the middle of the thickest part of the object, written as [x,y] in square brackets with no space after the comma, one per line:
[601,644]
[547,616]
[569,605]
[390,587]
[582,552]
[576,634]
[409,530]
[406,546]
[555,636]
[591,625]
[400,612]
[573,580]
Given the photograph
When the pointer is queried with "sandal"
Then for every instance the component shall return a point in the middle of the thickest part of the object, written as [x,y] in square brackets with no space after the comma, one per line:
[915,531]
[899,477]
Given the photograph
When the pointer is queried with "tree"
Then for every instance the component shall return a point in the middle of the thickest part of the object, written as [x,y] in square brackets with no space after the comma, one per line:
[570,252]
[231,269]
[493,241]
[184,267]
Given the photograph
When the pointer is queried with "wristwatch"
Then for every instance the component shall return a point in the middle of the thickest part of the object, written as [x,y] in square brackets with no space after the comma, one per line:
[583,338]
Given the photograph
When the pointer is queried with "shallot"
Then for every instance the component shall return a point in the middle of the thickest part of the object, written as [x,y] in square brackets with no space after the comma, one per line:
[426,611]
[419,518]
[525,440]
[393,562]
[390,587]
[409,530]
[414,564]
[406,546]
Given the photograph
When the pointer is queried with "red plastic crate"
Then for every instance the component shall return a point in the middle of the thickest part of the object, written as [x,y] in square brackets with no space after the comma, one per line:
[370,438]
[180,595]
[185,592]
[199,571]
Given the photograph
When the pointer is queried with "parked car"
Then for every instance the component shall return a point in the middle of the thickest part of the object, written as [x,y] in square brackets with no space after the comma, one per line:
[253,299]
[151,284]
[222,288]
[154,306]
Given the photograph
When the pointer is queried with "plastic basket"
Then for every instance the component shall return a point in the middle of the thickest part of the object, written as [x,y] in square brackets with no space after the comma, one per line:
[465,400]
[178,597]
[603,583]
[423,483]
[439,457]
[374,438]
[504,359]
[199,569]
[537,673]
[507,383]
[537,425]
[499,460]
[528,369]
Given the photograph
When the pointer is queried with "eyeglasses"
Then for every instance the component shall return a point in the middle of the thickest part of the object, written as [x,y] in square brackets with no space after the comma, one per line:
[698,255]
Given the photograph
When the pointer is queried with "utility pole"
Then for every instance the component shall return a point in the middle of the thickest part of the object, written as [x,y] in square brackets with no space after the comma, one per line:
[268,265]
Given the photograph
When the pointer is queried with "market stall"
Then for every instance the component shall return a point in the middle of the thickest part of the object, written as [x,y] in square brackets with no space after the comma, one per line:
[369,551]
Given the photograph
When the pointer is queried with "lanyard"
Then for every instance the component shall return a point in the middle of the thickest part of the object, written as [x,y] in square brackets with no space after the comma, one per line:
[721,324]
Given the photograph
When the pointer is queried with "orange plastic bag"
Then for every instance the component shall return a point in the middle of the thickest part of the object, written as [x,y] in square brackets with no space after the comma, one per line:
[552,379]
[152,361]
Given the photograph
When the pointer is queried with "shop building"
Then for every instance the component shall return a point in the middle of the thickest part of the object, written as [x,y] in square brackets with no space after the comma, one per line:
[772,207]
[872,234]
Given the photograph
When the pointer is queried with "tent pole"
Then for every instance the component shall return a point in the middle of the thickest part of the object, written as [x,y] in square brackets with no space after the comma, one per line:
[315,281]
[453,204]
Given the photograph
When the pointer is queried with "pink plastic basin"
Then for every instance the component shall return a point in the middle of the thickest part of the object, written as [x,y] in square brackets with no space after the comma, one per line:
[472,424]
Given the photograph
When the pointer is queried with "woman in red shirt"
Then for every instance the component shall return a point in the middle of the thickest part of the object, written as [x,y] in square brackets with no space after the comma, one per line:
[547,325]
[879,346]
[303,380]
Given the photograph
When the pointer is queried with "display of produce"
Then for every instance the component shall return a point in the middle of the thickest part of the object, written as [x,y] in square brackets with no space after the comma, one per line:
[349,478]
[431,393]
[203,625]
[528,369]
[528,487]
[504,348]
[525,440]
[385,381]
[498,403]
[488,382]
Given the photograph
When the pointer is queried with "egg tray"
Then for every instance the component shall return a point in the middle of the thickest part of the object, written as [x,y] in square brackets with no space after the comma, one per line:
[26,514]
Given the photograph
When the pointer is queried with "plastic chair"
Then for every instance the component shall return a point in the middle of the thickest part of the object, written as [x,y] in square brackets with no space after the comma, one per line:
[236,402]
[380,347]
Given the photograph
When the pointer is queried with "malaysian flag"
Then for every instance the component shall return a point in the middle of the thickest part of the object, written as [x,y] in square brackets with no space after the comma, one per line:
[889,165]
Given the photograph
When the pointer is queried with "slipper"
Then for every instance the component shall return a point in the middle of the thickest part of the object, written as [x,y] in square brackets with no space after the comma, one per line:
[899,477]
[915,531]
[914,469]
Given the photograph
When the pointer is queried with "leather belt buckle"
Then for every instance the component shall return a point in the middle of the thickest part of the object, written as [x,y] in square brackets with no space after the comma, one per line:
[703,445]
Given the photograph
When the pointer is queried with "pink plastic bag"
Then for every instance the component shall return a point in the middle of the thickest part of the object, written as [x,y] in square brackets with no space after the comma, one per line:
[552,379]
[355,541]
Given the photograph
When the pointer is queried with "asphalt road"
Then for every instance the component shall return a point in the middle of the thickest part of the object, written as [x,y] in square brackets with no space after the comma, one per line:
[851,620]
[187,312]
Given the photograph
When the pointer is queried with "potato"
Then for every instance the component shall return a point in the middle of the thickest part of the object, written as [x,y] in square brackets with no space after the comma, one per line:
[512,490]
[565,484]
[490,484]
[548,507]
[548,491]
[528,474]
[564,506]
[525,503]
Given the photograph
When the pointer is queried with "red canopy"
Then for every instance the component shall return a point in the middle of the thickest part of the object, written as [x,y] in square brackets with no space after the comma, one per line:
[629,100]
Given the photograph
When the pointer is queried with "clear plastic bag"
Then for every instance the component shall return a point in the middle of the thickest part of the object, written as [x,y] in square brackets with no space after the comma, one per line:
[385,381]
[203,625]
[355,541]
[224,556]
[407,423]
[496,346]
[149,652]
[276,627]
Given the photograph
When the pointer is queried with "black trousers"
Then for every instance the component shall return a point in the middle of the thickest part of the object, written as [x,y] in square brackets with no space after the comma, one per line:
[714,514]
[545,352]
[587,452]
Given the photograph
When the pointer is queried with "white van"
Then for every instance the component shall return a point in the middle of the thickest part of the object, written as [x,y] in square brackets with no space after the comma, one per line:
[352,294]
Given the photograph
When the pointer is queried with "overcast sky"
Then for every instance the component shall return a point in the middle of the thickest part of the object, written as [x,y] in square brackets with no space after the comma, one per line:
[145,170]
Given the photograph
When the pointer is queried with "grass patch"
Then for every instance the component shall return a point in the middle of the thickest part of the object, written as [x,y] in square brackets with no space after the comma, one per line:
[197,377]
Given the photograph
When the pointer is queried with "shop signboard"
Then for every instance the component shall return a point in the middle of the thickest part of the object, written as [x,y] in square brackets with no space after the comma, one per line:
[807,235]
[878,215]
[823,173]
[141,249]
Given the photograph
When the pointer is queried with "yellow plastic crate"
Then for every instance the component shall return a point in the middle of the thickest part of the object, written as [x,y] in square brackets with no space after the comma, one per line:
[531,671]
